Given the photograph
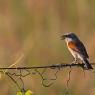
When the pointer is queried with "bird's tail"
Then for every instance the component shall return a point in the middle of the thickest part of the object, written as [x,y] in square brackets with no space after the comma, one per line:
[87,64]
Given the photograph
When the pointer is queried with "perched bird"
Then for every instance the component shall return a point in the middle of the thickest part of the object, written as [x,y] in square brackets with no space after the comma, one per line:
[77,49]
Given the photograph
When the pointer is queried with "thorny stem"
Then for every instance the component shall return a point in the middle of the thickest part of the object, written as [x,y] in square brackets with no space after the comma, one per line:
[49,66]
[27,69]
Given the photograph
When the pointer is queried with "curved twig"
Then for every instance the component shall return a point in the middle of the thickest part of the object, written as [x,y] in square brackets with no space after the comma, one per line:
[13,80]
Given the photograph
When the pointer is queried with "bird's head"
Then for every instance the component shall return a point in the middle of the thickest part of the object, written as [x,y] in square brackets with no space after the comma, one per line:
[70,35]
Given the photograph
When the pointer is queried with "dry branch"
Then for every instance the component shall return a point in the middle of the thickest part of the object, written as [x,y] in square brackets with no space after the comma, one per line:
[62,65]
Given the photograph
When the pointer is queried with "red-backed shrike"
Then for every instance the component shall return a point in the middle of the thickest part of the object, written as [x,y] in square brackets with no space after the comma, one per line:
[77,49]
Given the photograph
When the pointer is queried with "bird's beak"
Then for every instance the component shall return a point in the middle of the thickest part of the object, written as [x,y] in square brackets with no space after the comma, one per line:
[63,37]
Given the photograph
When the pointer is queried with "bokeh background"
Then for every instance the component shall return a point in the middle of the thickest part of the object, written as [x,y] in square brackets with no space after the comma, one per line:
[31,29]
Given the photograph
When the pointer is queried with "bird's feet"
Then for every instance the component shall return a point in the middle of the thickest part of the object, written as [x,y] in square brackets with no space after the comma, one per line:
[75,61]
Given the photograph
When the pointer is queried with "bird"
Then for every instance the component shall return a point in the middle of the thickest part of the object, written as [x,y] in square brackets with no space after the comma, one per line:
[77,49]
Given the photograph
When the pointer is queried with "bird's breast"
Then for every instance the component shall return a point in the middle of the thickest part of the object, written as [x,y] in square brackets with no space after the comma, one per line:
[72,52]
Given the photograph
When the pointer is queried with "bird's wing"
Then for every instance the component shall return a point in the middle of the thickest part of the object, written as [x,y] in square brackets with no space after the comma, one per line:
[78,47]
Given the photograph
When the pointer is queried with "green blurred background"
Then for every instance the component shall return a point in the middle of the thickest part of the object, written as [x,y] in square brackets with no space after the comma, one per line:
[33,28]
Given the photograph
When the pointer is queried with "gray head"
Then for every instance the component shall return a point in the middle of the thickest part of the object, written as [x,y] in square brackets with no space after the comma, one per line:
[70,36]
